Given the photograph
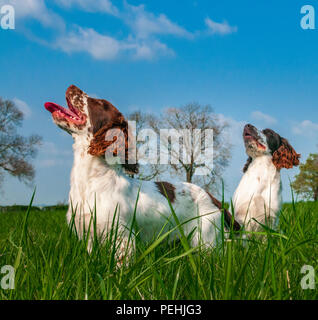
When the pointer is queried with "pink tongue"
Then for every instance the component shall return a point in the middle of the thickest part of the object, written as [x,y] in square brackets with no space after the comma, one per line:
[50,106]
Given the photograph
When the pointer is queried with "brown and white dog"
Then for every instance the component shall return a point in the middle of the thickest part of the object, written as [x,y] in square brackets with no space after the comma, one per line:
[96,182]
[258,196]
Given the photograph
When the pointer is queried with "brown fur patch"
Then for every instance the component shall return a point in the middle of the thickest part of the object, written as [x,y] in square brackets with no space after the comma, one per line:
[227,215]
[104,116]
[285,156]
[75,95]
[167,190]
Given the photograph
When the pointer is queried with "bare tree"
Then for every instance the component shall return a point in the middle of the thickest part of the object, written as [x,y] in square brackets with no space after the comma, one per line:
[15,150]
[192,117]
[149,171]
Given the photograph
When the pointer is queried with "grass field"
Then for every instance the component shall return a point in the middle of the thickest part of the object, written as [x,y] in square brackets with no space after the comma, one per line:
[51,263]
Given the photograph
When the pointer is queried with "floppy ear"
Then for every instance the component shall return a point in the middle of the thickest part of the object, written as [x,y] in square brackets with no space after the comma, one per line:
[100,142]
[285,156]
[248,162]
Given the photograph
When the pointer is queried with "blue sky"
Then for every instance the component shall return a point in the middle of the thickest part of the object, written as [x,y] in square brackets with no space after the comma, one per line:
[249,59]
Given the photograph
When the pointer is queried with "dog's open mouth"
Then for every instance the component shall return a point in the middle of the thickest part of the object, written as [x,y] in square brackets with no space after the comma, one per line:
[249,137]
[71,114]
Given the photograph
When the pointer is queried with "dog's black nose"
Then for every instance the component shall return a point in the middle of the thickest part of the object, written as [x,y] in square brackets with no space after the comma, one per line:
[249,130]
[249,127]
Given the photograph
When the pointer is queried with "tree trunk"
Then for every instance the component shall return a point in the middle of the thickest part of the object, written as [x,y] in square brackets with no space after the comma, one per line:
[189,171]
[316,195]
[189,176]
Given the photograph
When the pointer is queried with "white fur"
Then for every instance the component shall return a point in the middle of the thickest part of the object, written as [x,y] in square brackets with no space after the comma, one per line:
[258,195]
[96,182]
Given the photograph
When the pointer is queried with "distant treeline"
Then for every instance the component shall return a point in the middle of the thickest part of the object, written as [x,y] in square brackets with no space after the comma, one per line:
[34,208]
[65,206]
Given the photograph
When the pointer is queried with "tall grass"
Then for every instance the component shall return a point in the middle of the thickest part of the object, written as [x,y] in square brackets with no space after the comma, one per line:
[51,263]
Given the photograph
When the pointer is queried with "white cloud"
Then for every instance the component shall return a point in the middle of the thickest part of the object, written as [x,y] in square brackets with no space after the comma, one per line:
[142,42]
[148,50]
[260,116]
[23,107]
[306,128]
[144,23]
[35,9]
[104,47]
[219,28]
[88,40]
[90,5]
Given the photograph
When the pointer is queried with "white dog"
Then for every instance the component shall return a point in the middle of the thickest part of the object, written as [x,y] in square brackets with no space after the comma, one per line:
[258,196]
[94,181]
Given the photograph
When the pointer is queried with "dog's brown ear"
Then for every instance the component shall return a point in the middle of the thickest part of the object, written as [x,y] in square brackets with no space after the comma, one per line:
[248,162]
[110,133]
[99,143]
[285,156]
